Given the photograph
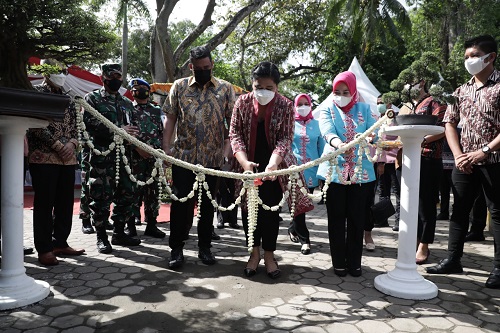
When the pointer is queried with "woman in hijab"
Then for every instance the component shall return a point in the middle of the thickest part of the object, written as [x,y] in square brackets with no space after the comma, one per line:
[350,189]
[307,146]
[261,135]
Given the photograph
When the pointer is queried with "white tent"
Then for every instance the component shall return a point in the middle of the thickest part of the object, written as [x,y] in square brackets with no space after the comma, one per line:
[366,90]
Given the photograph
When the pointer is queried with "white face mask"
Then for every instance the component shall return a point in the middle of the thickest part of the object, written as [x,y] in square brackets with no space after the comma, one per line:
[303,110]
[57,79]
[476,65]
[263,96]
[342,101]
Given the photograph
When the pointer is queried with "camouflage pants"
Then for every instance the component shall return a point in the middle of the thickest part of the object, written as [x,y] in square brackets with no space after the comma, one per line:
[103,191]
[148,194]
[84,196]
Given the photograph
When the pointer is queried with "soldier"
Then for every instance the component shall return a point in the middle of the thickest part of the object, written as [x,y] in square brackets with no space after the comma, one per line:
[147,118]
[102,187]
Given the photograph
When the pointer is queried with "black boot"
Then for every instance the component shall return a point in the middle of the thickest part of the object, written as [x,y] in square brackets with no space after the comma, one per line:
[130,229]
[87,226]
[152,230]
[103,245]
[120,238]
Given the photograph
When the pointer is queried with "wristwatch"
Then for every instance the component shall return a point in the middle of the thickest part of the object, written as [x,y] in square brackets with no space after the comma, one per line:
[486,149]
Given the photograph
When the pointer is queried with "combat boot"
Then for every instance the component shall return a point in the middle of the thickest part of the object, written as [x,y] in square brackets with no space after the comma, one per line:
[103,245]
[130,229]
[152,230]
[120,238]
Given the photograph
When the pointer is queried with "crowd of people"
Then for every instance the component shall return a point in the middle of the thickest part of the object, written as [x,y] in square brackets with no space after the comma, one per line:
[263,131]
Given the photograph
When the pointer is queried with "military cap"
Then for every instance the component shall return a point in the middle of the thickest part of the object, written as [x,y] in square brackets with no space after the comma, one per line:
[109,69]
[138,82]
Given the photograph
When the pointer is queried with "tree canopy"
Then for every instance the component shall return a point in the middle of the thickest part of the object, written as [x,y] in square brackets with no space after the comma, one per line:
[62,30]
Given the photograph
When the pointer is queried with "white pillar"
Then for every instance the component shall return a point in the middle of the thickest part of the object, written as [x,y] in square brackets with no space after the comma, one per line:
[404,281]
[16,288]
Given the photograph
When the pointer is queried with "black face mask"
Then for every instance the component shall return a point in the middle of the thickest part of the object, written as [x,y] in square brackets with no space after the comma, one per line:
[114,84]
[141,93]
[202,76]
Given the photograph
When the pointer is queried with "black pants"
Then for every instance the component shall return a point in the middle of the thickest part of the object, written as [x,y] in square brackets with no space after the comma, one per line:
[444,191]
[346,203]
[182,213]
[485,178]
[430,176]
[53,205]
[225,198]
[298,226]
[389,180]
[267,228]
[478,215]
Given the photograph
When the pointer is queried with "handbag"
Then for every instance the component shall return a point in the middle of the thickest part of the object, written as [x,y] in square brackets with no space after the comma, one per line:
[382,210]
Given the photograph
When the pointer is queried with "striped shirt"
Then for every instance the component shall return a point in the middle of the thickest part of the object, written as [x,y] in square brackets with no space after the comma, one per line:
[201,119]
[477,110]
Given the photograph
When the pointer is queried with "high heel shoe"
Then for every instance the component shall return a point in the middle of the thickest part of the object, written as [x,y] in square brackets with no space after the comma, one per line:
[424,260]
[276,273]
[249,271]
[293,237]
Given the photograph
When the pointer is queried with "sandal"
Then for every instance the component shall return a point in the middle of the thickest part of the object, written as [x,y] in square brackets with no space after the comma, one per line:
[293,237]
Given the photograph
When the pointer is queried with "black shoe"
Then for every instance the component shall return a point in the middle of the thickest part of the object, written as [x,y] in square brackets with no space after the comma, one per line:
[153,231]
[215,236]
[340,272]
[87,226]
[442,216]
[474,237]
[103,245]
[108,225]
[176,258]
[137,221]
[124,240]
[88,229]
[276,273]
[27,250]
[234,225]
[356,272]
[130,230]
[206,256]
[220,225]
[396,226]
[446,266]
[493,281]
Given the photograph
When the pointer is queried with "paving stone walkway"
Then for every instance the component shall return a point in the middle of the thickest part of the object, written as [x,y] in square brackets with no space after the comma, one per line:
[132,290]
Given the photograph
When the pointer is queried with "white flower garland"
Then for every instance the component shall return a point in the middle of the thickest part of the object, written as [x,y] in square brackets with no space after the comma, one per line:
[248,177]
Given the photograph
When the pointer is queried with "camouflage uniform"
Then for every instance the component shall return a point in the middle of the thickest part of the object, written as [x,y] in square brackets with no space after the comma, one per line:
[84,196]
[102,188]
[148,118]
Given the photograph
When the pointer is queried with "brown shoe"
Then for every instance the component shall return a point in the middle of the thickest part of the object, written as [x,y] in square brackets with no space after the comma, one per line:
[48,259]
[67,251]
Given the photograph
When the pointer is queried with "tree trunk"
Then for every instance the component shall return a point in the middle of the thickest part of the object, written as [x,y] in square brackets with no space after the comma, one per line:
[13,64]
[125,47]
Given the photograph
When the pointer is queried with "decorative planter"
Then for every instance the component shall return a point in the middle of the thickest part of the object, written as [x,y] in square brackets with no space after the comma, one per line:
[415,119]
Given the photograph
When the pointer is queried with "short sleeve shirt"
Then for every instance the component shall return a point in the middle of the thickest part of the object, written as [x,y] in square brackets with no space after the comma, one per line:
[477,110]
[201,119]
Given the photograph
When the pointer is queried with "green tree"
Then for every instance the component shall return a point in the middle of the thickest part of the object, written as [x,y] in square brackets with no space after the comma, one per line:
[125,7]
[47,29]
[166,60]
[365,21]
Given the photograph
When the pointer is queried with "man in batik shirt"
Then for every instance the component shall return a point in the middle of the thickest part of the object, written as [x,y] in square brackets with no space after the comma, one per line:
[200,106]
[52,160]
[477,160]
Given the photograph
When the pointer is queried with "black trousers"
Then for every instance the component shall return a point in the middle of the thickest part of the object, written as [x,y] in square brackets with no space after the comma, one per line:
[479,214]
[389,180]
[431,170]
[182,213]
[346,210]
[485,178]
[53,204]
[267,228]
[225,198]
[444,191]
[298,226]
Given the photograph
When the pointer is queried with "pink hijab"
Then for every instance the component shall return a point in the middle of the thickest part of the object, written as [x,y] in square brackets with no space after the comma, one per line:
[298,116]
[350,80]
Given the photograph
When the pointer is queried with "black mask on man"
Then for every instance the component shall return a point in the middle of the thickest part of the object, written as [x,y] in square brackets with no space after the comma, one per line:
[114,84]
[141,93]
[202,76]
